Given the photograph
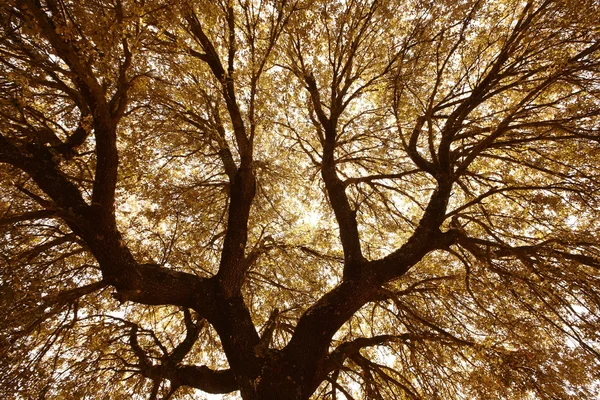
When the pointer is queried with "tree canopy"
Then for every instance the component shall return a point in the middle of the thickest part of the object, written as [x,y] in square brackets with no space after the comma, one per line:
[300,199]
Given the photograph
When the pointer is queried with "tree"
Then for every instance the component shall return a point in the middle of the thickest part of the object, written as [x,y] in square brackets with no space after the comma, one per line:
[300,199]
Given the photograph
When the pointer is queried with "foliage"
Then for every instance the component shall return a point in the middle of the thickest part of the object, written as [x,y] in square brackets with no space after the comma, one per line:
[294,199]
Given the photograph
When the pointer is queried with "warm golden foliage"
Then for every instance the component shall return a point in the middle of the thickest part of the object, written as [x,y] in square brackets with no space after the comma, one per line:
[284,199]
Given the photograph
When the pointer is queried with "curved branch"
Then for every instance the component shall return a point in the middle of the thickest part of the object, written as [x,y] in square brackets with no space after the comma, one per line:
[348,349]
[192,332]
[426,238]
[199,377]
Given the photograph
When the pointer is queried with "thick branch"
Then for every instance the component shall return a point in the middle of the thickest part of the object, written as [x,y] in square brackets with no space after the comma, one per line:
[336,307]
[426,238]
[104,125]
[149,283]
[342,352]
[214,62]
[44,171]
[193,330]
[203,378]
[153,285]
[309,345]
[36,251]
[27,216]
[200,377]
[233,266]
[336,189]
